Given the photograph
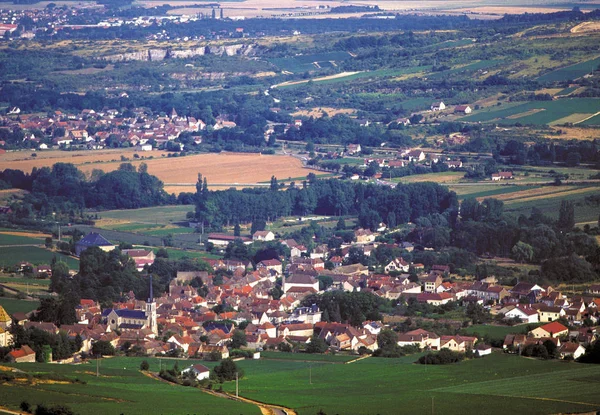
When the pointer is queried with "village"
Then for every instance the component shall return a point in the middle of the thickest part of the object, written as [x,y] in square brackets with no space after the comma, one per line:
[182,323]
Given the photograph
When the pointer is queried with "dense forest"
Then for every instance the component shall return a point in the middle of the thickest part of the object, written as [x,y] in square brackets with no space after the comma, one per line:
[371,202]
[64,189]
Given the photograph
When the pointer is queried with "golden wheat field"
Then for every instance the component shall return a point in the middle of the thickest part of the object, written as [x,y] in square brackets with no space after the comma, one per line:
[219,169]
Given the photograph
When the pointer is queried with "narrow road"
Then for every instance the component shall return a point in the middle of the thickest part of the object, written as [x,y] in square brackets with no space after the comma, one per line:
[266,409]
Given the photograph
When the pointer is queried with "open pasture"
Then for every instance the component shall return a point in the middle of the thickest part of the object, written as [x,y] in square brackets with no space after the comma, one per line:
[550,204]
[538,112]
[13,305]
[121,388]
[444,177]
[11,255]
[397,386]
[159,215]
[13,238]
[482,192]
[571,72]
[303,63]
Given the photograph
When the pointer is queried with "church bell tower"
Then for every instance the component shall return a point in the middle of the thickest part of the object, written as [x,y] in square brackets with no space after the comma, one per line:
[151,311]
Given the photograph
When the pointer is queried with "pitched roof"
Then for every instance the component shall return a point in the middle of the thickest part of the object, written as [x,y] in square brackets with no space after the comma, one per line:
[94,239]
[4,317]
[554,327]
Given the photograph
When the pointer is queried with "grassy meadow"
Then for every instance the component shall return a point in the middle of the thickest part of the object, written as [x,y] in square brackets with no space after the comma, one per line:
[37,256]
[537,112]
[496,384]
[13,305]
[121,388]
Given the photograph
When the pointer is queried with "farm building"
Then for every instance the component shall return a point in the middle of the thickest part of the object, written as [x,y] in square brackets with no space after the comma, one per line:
[502,175]
[463,109]
[198,371]
[438,106]
[221,239]
[93,239]
[263,236]
[354,148]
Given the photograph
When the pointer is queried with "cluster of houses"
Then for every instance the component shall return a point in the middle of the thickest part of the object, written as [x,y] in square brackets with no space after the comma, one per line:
[137,129]
[183,322]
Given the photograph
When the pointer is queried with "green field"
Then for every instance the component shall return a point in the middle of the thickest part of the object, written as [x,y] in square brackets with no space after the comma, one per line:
[37,256]
[180,253]
[19,240]
[154,215]
[484,191]
[304,63]
[307,357]
[571,72]
[496,384]
[568,90]
[12,305]
[498,332]
[463,70]
[548,111]
[550,206]
[595,120]
[121,389]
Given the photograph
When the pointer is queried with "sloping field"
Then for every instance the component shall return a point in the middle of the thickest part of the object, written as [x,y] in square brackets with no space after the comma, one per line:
[571,72]
[223,168]
[496,384]
[121,388]
[591,121]
[539,112]
[445,177]
[302,63]
[534,192]
[22,160]
[482,192]
[546,193]
[37,256]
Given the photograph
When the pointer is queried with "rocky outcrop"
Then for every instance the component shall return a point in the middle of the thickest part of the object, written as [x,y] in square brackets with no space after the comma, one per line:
[168,53]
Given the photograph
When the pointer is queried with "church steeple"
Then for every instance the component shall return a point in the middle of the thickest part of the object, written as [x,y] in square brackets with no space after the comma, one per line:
[151,296]
[151,310]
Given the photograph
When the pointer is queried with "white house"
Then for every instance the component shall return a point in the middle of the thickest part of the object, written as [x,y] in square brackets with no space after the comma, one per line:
[525,314]
[438,106]
[198,371]
[397,264]
[263,236]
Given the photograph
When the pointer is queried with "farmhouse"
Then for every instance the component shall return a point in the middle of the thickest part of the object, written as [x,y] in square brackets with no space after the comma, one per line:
[354,149]
[199,372]
[502,175]
[463,109]
[263,236]
[438,106]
